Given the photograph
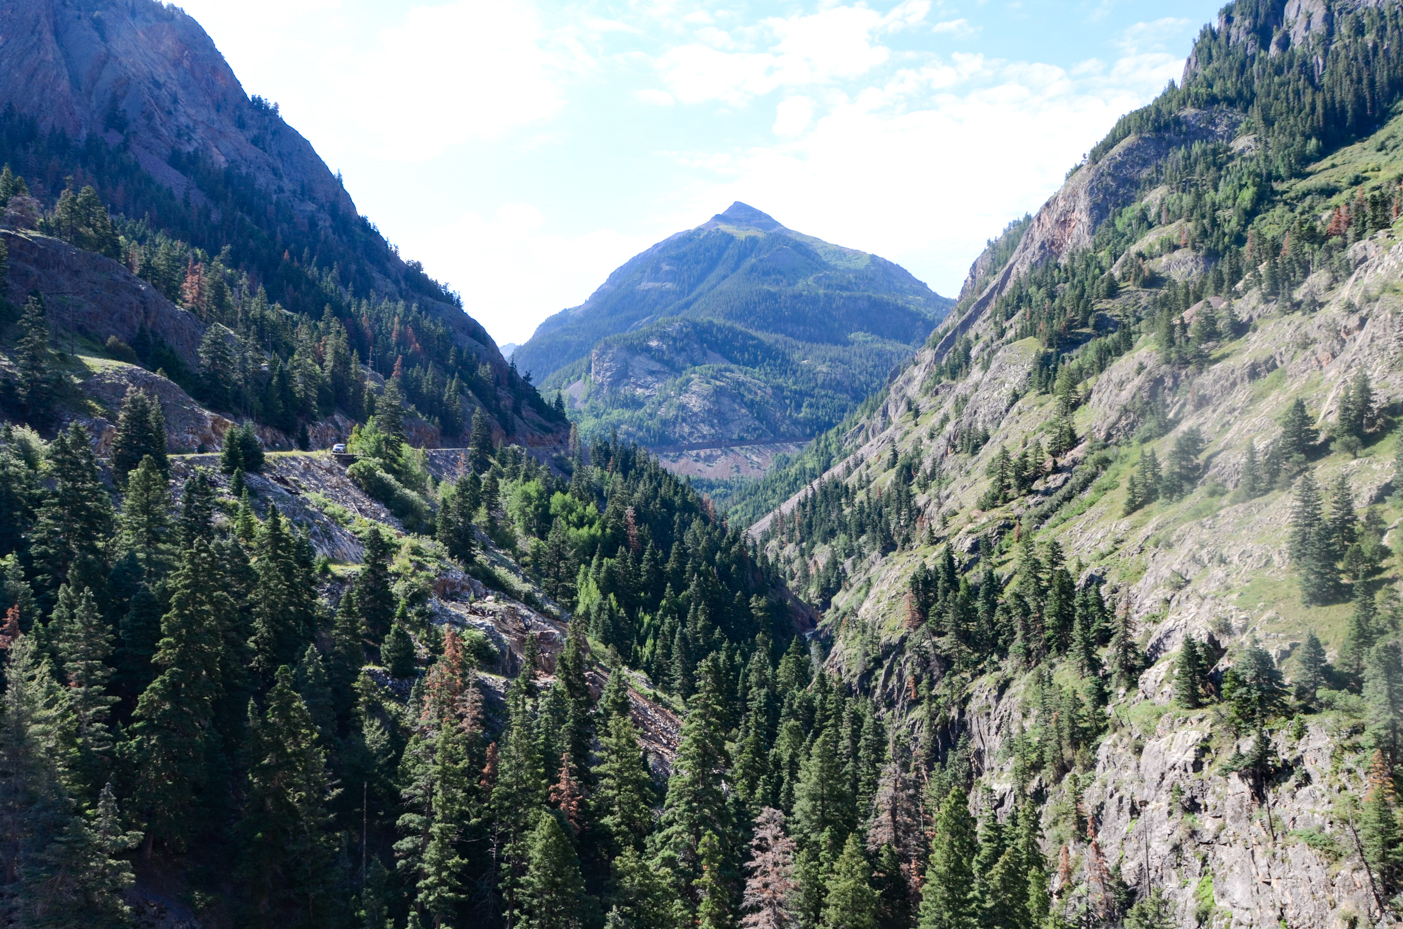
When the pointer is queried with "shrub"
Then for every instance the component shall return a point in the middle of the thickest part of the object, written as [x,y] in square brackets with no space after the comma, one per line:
[407,506]
[120,350]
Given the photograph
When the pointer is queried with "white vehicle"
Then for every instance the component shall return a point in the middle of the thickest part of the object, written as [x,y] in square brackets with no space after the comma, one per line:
[339,448]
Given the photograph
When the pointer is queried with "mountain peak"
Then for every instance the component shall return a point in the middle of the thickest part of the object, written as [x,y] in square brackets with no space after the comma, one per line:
[742,214]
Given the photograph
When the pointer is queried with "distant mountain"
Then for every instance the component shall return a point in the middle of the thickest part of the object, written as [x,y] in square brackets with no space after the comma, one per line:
[738,330]
[508,349]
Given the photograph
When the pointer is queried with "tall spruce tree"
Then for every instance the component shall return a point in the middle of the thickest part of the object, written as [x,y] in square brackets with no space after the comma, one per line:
[552,891]
[712,885]
[172,743]
[1379,832]
[696,801]
[1312,549]
[1190,675]
[480,446]
[58,866]
[75,519]
[141,432]
[36,375]
[1314,670]
[374,594]
[1383,699]
[82,642]
[948,898]
[1298,433]
[145,521]
[852,903]
[624,798]
[287,851]
[283,603]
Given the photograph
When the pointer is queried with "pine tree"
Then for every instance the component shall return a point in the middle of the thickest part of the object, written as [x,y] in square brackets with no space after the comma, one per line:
[455,521]
[287,853]
[821,798]
[389,418]
[1298,434]
[1181,471]
[1253,689]
[770,888]
[243,451]
[34,367]
[852,903]
[374,594]
[1314,669]
[19,490]
[1125,653]
[565,795]
[1360,635]
[75,519]
[1379,831]
[1357,407]
[696,800]
[82,641]
[1250,483]
[310,681]
[1189,675]
[283,601]
[397,654]
[1383,699]
[439,767]
[624,798]
[1343,522]
[218,372]
[518,793]
[172,742]
[139,631]
[948,900]
[1312,551]
[480,445]
[713,892]
[896,814]
[60,866]
[145,521]
[141,432]
[552,890]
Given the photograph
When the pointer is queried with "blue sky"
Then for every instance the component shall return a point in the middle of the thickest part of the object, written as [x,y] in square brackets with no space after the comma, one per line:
[522,150]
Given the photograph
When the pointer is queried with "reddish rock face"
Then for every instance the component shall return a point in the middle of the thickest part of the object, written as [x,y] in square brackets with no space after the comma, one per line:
[148,76]
[95,295]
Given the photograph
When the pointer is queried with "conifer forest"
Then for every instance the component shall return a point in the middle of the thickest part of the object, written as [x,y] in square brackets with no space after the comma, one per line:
[316,611]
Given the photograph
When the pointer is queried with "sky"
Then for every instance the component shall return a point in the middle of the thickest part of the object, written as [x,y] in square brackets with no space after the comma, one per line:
[523,149]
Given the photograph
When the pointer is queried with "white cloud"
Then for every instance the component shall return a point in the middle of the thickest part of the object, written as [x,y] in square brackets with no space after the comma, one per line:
[904,14]
[410,86]
[926,168]
[1153,36]
[960,28]
[793,115]
[654,96]
[830,45]
[513,271]
[446,74]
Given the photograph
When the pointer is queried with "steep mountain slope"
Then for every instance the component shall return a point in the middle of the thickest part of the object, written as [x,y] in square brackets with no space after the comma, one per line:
[215,198]
[1073,541]
[739,330]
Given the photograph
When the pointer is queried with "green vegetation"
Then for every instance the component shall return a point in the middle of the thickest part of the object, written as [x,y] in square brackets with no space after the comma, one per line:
[795,330]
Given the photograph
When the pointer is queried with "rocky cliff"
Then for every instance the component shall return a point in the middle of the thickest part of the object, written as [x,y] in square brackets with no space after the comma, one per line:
[1096,317]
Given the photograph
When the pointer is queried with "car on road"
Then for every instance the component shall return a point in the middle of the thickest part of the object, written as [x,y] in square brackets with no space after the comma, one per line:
[339,448]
